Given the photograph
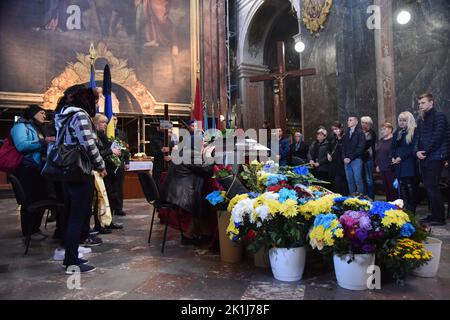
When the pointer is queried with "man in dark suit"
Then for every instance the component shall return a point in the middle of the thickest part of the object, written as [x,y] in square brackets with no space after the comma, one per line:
[298,150]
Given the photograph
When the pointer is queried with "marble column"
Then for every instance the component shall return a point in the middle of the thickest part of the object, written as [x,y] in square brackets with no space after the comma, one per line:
[384,56]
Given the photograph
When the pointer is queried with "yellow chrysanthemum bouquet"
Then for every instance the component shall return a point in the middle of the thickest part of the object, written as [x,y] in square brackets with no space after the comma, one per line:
[404,257]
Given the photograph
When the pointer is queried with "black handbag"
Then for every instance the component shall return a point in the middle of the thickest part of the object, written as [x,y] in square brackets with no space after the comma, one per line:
[69,163]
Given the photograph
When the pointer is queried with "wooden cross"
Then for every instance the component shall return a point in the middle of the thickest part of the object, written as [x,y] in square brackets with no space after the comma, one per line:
[279,85]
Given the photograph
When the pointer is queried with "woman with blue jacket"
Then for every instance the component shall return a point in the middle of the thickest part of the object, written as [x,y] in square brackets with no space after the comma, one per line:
[30,140]
[404,160]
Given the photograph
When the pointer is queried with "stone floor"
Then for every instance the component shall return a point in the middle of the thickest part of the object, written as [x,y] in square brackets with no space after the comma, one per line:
[129,268]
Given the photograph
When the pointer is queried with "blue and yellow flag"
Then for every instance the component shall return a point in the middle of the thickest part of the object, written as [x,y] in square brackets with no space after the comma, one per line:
[110,129]
[205,118]
[213,117]
[92,83]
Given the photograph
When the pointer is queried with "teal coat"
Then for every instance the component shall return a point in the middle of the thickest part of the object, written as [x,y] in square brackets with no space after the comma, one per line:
[26,140]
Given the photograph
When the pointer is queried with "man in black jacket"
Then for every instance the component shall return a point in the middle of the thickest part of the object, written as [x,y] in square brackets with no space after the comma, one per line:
[298,150]
[353,149]
[432,149]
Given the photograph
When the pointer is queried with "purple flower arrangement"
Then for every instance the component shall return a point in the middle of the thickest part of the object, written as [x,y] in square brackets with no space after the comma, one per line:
[361,233]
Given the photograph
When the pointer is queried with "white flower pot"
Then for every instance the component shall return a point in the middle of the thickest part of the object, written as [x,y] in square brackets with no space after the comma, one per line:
[287,264]
[430,269]
[353,276]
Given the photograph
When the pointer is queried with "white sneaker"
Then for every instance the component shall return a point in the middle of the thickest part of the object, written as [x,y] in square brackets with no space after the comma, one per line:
[59,255]
[84,249]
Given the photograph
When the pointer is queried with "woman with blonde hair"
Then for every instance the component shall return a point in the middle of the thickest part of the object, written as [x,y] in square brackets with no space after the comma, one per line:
[403,159]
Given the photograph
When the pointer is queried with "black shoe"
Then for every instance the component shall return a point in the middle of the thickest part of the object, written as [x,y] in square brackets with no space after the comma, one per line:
[115,225]
[185,241]
[427,219]
[105,231]
[83,268]
[120,213]
[92,241]
[93,232]
[79,263]
[438,223]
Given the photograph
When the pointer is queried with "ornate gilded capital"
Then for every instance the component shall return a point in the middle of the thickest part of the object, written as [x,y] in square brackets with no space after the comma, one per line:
[315,14]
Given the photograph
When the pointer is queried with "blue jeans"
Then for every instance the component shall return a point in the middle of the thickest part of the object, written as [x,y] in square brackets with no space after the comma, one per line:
[353,172]
[368,177]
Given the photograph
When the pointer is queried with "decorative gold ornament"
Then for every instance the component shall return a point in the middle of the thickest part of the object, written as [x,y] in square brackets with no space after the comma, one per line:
[79,72]
[315,14]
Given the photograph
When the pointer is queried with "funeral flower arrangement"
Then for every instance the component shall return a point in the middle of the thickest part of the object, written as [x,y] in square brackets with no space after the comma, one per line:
[122,146]
[359,226]
[271,219]
[274,215]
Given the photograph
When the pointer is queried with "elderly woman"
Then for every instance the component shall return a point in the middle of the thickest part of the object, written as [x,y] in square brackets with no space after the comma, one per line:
[318,155]
[30,140]
[185,188]
[369,154]
[106,151]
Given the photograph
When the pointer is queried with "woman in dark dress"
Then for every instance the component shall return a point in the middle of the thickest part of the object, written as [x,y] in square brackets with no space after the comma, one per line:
[337,170]
[383,161]
[403,159]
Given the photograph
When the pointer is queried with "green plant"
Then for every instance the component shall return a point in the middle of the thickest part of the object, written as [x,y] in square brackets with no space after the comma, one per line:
[249,176]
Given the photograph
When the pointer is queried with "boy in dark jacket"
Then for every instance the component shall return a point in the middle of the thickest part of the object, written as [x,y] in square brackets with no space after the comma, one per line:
[432,149]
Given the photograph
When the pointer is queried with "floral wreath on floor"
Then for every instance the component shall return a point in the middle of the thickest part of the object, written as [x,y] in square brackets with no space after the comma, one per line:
[285,208]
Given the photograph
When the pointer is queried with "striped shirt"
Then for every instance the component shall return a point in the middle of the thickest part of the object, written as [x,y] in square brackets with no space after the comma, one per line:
[80,131]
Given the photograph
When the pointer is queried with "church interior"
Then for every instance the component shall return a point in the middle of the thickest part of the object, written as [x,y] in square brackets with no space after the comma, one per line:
[360,91]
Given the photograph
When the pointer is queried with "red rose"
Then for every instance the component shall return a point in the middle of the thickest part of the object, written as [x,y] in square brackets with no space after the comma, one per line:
[229,167]
[275,189]
[250,235]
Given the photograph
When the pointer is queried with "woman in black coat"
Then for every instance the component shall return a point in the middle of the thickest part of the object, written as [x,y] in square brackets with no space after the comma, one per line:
[337,167]
[404,160]
[318,156]
[184,187]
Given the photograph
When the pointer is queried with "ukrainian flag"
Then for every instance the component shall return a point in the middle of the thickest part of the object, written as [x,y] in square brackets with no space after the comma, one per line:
[110,129]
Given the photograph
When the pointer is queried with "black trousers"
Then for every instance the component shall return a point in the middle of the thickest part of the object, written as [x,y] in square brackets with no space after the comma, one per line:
[408,189]
[339,184]
[79,197]
[35,189]
[431,174]
[116,179]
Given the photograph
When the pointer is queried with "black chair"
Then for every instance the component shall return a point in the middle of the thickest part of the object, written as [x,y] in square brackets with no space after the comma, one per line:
[152,196]
[29,209]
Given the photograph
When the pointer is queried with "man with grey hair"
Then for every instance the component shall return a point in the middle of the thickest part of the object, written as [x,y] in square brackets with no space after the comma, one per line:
[368,155]
[298,150]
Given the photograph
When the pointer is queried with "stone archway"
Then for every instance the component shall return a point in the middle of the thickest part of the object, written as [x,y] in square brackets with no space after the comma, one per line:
[258,17]
[79,72]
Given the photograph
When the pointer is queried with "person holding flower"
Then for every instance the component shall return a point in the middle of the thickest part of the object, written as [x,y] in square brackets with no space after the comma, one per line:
[403,160]
[107,150]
